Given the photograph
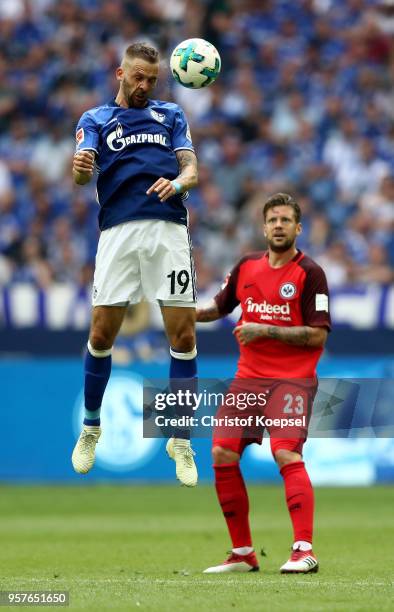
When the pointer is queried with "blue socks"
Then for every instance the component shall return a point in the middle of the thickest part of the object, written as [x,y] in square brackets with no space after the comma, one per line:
[97,373]
[183,376]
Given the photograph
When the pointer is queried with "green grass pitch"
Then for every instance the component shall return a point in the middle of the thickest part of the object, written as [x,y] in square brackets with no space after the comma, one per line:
[143,548]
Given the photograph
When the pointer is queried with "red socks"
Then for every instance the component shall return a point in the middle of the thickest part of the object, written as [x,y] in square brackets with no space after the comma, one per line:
[233,498]
[299,498]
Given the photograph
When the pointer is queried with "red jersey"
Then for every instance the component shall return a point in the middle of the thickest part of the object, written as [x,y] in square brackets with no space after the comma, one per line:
[294,294]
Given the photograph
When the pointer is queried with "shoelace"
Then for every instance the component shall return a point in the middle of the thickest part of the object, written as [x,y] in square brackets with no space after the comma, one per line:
[87,440]
[188,457]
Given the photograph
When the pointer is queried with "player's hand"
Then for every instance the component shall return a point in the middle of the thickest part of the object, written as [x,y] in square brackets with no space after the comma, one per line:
[84,162]
[164,189]
[247,332]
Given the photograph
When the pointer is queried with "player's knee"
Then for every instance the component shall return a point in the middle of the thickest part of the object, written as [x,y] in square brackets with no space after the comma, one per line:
[284,456]
[183,341]
[100,339]
[222,455]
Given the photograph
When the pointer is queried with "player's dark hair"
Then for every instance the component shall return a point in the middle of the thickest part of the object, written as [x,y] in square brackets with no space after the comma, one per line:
[143,51]
[282,199]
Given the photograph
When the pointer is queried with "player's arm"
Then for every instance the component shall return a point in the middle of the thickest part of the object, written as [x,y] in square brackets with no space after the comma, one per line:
[87,143]
[83,167]
[186,179]
[299,335]
[188,173]
[208,313]
[224,301]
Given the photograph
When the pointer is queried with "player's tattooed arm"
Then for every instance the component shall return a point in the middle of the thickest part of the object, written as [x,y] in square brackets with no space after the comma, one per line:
[188,173]
[208,313]
[299,335]
[186,179]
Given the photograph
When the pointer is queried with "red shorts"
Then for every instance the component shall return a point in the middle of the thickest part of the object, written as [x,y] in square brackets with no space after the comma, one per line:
[286,414]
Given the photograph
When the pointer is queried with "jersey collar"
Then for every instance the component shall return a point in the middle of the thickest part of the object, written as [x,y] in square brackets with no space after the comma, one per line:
[297,256]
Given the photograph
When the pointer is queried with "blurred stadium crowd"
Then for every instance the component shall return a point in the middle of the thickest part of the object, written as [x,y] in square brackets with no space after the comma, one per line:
[304,104]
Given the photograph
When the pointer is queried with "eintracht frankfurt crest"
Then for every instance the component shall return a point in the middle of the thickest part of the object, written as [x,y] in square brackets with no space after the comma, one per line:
[287,291]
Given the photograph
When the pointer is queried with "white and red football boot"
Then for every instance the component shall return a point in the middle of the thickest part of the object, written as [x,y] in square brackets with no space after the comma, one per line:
[235,563]
[300,562]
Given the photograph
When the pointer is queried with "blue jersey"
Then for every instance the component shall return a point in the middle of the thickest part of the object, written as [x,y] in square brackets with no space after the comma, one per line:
[134,147]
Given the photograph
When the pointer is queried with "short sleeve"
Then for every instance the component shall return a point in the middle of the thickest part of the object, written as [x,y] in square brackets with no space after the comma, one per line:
[315,299]
[226,299]
[181,136]
[87,134]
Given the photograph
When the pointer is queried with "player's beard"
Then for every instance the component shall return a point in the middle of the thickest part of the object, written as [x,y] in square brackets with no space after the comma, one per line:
[132,100]
[137,102]
[281,248]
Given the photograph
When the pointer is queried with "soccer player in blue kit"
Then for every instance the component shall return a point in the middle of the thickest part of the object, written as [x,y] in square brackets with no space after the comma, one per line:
[145,160]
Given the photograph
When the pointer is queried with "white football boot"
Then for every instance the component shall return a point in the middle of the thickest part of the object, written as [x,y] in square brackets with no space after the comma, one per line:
[84,451]
[300,562]
[235,563]
[182,453]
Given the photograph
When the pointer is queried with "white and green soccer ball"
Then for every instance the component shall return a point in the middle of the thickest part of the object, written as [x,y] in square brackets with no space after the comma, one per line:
[195,63]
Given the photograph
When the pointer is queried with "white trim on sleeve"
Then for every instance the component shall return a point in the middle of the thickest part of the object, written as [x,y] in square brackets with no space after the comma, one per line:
[184,149]
[86,149]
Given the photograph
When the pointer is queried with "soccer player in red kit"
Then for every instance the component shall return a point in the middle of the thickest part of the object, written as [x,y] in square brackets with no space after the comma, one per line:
[281,333]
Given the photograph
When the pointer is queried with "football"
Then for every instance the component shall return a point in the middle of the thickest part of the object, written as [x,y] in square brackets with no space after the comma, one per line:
[195,63]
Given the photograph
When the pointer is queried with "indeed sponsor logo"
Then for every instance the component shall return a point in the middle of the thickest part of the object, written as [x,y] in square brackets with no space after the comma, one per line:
[265,308]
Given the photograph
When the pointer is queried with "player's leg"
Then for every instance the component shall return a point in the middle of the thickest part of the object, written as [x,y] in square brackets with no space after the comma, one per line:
[233,499]
[106,322]
[116,282]
[167,275]
[300,504]
[179,323]
[286,447]
[105,325]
